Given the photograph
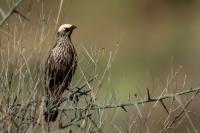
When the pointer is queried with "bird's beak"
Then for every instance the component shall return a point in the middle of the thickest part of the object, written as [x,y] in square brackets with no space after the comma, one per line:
[74,27]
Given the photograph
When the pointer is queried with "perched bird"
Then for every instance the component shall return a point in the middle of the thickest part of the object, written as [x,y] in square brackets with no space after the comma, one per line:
[59,68]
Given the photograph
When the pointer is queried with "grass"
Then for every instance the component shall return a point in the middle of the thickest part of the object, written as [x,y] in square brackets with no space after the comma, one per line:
[22,102]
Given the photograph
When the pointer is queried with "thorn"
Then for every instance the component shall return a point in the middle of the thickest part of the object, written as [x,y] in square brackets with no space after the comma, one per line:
[124,108]
[164,106]
[148,95]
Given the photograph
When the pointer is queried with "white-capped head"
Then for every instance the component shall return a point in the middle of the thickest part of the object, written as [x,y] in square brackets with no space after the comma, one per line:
[67,27]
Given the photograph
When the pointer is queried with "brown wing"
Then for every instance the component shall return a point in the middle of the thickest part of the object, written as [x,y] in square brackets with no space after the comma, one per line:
[59,71]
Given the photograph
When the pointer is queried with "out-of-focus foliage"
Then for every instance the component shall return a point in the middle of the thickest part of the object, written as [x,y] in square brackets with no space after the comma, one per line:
[150,39]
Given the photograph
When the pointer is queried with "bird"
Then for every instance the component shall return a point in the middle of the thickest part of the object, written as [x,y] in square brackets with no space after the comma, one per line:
[59,68]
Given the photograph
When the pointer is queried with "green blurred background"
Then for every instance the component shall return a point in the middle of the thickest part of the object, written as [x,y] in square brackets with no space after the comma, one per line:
[153,38]
[148,35]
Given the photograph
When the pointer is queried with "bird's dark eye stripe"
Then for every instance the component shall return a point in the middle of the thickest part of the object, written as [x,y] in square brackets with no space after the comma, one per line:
[66,29]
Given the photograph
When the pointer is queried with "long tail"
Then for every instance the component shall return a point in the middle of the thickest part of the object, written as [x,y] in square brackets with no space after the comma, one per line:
[50,116]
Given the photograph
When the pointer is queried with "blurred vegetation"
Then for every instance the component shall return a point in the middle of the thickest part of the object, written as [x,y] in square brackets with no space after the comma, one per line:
[149,41]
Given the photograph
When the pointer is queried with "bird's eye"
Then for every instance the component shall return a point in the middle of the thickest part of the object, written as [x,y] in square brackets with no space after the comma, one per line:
[66,29]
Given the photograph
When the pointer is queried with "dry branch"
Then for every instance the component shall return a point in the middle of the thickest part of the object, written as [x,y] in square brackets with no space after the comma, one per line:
[150,99]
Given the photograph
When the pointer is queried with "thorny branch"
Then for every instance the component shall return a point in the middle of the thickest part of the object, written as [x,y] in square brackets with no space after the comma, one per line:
[160,99]
[85,113]
[150,99]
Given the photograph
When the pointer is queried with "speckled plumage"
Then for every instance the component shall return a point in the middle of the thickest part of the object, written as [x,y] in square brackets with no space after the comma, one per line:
[60,67]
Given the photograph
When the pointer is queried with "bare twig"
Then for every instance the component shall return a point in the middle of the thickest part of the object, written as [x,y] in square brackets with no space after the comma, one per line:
[153,99]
